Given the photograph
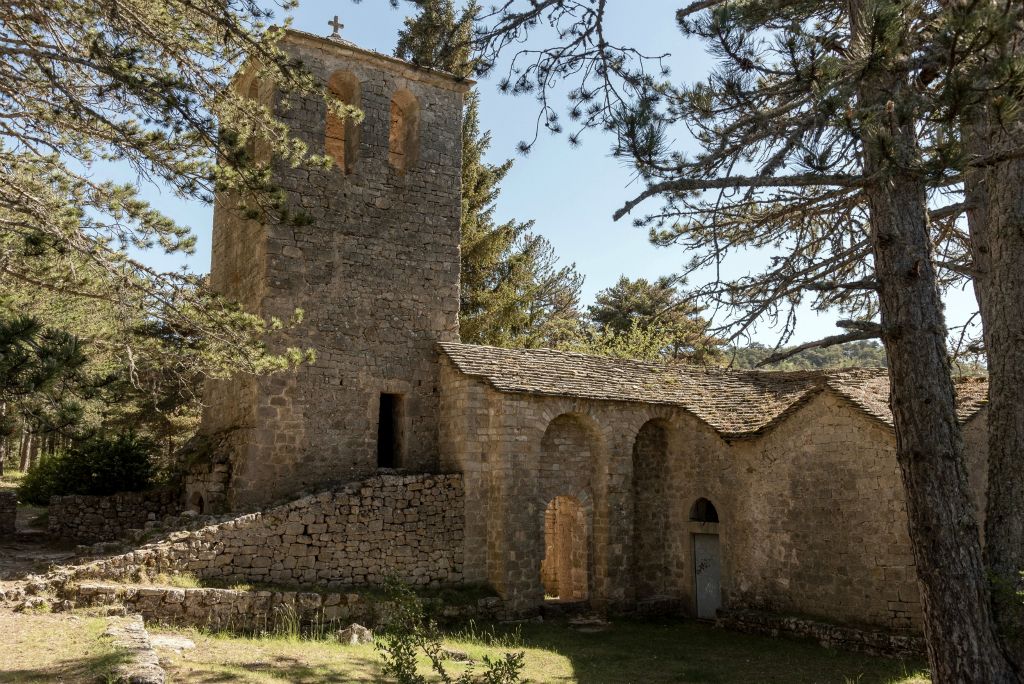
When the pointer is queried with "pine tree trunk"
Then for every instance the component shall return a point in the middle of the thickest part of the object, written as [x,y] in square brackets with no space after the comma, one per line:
[996,223]
[959,627]
[5,440]
[33,450]
[26,448]
[960,631]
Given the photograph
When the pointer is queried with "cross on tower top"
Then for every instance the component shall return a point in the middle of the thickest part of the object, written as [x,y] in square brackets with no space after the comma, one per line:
[337,26]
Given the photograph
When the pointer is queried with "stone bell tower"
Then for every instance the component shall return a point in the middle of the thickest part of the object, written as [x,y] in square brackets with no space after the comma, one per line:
[376,273]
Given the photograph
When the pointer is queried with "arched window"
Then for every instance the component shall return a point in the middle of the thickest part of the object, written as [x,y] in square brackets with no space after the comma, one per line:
[341,134]
[252,93]
[703,511]
[404,137]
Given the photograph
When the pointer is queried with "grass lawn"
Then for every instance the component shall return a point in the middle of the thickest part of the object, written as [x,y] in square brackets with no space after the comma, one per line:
[29,517]
[680,652]
[10,479]
[41,647]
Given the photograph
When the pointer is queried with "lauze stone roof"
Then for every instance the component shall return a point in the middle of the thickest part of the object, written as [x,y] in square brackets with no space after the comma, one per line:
[736,403]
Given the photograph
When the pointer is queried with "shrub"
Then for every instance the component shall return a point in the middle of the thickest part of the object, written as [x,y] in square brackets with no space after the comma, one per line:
[98,465]
[409,633]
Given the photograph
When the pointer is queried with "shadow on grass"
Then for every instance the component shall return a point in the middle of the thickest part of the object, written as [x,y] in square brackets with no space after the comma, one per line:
[91,669]
[278,669]
[692,652]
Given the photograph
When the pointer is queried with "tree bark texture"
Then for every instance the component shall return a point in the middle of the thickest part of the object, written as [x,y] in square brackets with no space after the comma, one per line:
[26,449]
[960,631]
[996,223]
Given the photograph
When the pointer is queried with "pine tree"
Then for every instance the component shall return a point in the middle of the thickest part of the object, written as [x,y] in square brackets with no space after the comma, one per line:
[148,86]
[513,293]
[824,133]
[990,92]
[639,309]
[43,378]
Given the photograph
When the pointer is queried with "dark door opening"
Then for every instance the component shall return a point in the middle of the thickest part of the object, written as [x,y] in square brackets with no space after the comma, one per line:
[389,433]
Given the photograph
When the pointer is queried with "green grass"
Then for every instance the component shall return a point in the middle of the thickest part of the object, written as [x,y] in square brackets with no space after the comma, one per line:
[10,480]
[182,580]
[44,648]
[654,653]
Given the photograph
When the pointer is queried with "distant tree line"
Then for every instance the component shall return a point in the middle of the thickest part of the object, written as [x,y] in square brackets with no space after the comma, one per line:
[862,354]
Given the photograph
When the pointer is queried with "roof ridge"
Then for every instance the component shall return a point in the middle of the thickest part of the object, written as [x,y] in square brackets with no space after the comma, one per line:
[734,402]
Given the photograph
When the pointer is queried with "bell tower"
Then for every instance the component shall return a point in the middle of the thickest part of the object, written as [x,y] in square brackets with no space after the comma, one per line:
[376,273]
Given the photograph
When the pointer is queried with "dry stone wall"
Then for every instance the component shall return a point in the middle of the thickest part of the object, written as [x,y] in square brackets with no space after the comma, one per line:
[8,513]
[408,527]
[829,635]
[262,610]
[106,518]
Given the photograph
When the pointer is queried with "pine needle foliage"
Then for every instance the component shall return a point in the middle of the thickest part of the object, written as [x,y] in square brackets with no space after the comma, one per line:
[513,292]
[42,376]
[654,316]
[144,87]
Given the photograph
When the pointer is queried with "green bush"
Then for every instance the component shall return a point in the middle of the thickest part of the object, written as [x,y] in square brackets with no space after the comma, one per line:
[97,465]
[408,633]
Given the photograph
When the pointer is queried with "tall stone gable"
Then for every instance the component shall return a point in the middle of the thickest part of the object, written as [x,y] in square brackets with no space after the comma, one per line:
[376,273]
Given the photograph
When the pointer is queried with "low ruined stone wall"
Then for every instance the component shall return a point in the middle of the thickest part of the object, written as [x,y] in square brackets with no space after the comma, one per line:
[264,611]
[829,635]
[8,513]
[105,518]
[406,526]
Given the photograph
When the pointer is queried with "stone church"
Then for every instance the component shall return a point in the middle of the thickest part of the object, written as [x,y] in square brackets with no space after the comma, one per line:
[625,484]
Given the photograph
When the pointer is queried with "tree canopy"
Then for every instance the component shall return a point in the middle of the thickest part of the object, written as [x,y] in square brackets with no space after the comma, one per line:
[90,91]
[828,135]
[89,86]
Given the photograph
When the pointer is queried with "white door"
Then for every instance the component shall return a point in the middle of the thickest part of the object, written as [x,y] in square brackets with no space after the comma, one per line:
[707,575]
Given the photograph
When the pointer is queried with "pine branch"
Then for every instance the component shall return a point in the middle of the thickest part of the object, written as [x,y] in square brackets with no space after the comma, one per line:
[950,211]
[867,331]
[734,182]
[697,6]
[863,284]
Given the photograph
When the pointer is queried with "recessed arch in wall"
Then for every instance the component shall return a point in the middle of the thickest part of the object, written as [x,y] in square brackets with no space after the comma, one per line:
[404,134]
[252,92]
[703,511]
[652,502]
[341,133]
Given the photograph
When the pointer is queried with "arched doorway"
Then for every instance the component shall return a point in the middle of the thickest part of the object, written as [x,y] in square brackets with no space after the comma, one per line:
[565,568]
[707,560]
[196,503]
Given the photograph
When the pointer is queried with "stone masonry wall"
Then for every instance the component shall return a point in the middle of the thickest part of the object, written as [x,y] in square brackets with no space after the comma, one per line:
[820,521]
[829,635]
[376,272]
[409,527]
[105,518]
[812,518]
[263,611]
[8,513]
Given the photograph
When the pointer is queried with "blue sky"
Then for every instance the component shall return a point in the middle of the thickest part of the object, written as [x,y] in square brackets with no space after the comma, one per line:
[570,192]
